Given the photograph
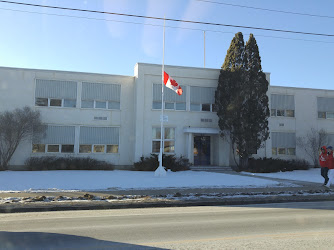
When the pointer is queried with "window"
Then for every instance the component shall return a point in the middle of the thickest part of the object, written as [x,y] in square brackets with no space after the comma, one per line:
[67,148]
[100,105]
[280,112]
[283,143]
[98,148]
[38,148]
[172,101]
[156,105]
[98,140]
[202,98]
[55,93]
[85,148]
[195,107]
[291,151]
[113,105]
[51,102]
[53,148]
[57,139]
[69,103]
[282,105]
[290,113]
[330,115]
[169,140]
[281,151]
[206,107]
[87,104]
[180,106]
[100,95]
[169,105]
[41,102]
[322,115]
[55,102]
[326,115]
[112,149]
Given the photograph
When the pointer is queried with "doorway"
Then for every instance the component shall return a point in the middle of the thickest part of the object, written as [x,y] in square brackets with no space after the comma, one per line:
[202,150]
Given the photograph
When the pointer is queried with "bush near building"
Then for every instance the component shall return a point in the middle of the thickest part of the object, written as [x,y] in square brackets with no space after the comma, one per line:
[270,165]
[171,162]
[66,163]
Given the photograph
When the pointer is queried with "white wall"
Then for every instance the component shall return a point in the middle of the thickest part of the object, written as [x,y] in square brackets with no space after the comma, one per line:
[17,88]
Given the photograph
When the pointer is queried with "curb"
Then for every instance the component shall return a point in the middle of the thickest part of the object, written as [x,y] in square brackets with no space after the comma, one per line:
[98,205]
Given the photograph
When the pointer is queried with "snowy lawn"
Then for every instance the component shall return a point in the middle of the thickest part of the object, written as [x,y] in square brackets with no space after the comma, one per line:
[103,180]
[311,175]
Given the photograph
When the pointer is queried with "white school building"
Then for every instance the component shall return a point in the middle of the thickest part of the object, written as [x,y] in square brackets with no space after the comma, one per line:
[117,118]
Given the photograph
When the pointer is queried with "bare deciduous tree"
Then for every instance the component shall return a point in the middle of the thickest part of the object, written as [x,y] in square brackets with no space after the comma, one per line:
[311,143]
[16,126]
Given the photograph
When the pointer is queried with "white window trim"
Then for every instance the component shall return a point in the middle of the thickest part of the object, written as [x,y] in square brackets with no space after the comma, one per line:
[286,151]
[92,149]
[107,104]
[174,109]
[201,107]
[275,115]
[49,102]
[159,140]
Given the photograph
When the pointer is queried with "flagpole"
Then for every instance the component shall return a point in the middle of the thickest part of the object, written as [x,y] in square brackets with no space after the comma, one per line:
[160,171]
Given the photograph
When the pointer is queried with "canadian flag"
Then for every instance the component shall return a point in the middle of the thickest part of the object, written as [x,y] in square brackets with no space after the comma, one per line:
[172,84]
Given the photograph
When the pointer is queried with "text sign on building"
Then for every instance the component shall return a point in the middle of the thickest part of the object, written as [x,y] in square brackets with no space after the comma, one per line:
[164,118]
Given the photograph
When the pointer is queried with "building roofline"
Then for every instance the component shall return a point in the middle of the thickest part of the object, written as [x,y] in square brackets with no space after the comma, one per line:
[299,88]
[179,66]
[62,71]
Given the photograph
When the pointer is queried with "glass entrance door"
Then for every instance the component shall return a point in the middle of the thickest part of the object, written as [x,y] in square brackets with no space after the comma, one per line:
[202,150]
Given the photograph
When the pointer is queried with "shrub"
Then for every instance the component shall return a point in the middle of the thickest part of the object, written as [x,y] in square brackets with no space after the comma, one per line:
[171,162]
[270,165]
[66,163]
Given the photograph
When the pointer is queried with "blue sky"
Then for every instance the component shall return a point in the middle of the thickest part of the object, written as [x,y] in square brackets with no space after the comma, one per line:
[100,43]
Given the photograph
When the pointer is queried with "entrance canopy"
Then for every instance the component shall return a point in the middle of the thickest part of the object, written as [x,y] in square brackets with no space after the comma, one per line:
[214,131]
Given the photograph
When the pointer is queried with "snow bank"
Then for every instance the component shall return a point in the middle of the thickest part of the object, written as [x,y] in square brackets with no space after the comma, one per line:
[103,180]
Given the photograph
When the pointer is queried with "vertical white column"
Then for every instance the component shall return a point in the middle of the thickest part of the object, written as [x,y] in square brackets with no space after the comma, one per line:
[190,150]
[76,140]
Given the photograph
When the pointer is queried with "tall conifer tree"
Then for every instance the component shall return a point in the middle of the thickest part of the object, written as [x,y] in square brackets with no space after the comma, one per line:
[241,100]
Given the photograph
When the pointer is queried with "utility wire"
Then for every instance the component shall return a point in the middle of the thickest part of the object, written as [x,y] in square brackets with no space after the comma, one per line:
[258,8]
[167,19]
[159,25]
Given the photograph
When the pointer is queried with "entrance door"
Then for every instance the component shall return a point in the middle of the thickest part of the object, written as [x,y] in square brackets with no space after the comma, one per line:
[202,150]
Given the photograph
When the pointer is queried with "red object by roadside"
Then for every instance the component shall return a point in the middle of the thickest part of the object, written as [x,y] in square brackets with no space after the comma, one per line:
[330,161]
[323,157]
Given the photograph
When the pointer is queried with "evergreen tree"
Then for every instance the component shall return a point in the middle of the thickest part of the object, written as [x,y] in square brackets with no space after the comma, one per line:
[241,100]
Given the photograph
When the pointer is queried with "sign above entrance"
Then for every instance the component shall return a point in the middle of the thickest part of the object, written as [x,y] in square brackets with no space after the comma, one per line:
[164,118]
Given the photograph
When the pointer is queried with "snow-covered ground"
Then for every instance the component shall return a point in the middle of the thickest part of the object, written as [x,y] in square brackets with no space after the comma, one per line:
[109,180]
[311,175]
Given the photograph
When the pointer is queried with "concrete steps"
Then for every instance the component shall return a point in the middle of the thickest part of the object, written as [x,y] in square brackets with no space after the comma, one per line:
[216,169]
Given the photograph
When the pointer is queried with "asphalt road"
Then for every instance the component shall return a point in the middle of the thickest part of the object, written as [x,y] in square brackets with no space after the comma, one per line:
[268,226]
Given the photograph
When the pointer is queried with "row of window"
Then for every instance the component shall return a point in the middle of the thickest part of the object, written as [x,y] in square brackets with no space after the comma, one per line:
[282,112]
[60,148]
[182,106]
[51,102]
[71,103]
[291,113]
[283,151]
[326,115]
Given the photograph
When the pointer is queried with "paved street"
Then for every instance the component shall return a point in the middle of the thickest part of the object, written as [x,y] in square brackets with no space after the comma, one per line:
[275,226]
